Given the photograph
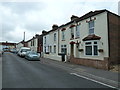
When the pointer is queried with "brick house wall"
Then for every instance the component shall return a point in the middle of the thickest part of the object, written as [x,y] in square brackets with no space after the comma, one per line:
[91,63]
[114,38]
[40,44]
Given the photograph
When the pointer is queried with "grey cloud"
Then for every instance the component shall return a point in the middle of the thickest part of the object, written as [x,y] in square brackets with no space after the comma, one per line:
[16,17]
[35,27]
[8,37]
[6,27]
[36,16]
[23,7]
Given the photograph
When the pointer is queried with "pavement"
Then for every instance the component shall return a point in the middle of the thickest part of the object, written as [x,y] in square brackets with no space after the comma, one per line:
[102,76]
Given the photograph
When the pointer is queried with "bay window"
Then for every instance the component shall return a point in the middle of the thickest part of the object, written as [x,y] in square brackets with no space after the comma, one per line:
[91,48]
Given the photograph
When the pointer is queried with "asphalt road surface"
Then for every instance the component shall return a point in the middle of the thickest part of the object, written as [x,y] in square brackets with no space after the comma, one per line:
[18,72]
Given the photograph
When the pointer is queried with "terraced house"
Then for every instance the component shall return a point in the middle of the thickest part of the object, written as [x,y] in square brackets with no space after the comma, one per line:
[50,44]
[7,46]
[35,43]
[91,40]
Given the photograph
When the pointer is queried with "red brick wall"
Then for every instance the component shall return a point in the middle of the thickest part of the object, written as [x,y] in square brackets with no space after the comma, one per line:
[114,38]
[102,64]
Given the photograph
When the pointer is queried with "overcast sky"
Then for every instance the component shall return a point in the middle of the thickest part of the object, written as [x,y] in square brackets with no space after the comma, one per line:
[35,16]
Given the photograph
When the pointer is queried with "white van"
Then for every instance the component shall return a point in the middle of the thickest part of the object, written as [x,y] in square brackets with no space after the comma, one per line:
[23,50]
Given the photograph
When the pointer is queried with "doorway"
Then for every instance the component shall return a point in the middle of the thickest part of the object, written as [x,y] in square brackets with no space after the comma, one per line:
[72,49]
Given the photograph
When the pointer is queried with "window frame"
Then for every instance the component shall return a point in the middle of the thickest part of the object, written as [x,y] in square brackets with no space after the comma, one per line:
[72,32]
[44,40]
[55,36]
[54,48]
[78,31]
[91,27]
[92,45]
[33,42]
[63,35]
[64,48]
[50,49]
[45,49]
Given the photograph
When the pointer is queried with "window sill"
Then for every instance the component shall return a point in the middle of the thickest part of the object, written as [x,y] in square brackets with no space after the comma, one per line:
[92,55]
[100,50]
[71,38]
[77,37]
[80,50]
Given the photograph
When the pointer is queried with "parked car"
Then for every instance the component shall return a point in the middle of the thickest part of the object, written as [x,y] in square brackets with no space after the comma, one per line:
[22,51]
[6,49]
[14,50]
[1,52]
[32,55]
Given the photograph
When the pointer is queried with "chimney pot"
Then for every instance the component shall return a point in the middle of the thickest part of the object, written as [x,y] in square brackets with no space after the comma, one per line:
[55,26]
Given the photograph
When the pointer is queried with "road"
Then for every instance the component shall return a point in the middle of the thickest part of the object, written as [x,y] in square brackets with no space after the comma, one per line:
[21,73]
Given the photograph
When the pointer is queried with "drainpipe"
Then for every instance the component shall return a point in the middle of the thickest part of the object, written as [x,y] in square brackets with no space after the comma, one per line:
[108,26]
[58,41]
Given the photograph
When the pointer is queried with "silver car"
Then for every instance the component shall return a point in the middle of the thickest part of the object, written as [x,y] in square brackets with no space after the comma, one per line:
[32,55]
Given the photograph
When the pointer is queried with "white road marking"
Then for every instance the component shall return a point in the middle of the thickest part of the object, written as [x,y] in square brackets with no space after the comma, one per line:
[92,80]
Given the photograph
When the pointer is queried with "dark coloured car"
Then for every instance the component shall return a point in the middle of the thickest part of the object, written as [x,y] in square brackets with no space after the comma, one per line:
[32,56]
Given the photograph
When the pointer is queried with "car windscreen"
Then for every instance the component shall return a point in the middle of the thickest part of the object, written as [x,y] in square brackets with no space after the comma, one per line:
[25,50]
[34,53]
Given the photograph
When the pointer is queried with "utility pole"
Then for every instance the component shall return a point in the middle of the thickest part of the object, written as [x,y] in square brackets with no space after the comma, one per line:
[24,36]
[24,40]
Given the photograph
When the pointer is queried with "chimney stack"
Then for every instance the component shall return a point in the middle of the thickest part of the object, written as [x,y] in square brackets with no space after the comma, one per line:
[73,17]
[54,27]
[44,32]
[36,35]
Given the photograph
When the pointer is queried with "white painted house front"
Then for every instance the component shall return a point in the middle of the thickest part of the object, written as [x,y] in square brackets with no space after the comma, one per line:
[50,45]
[32,44]
[19,45]
[88,40]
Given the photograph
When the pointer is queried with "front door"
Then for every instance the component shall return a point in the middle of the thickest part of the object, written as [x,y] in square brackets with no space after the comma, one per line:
[72,49]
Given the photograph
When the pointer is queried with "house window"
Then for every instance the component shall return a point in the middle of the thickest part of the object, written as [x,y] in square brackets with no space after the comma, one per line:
[45,49]
[77,30]
[72,32]
[54,36]
[45,40]
[33,42]
[95,47]
[91,27]
[91,48]
[50,49]
[64,49]
[54,48]
[63,35]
